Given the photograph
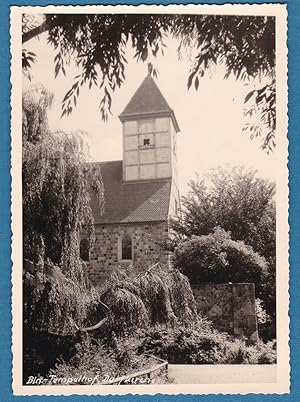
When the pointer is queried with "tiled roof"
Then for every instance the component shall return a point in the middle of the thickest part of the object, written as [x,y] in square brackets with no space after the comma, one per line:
[125,202]
[147,99]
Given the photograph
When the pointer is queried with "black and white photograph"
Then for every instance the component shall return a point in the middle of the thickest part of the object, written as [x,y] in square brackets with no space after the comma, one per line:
[150,193]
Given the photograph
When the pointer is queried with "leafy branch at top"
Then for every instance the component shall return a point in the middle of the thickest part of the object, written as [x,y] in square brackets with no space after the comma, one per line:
[245,45]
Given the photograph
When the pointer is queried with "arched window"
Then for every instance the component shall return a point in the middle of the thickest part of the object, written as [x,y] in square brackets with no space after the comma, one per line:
[85,250]
[126,250]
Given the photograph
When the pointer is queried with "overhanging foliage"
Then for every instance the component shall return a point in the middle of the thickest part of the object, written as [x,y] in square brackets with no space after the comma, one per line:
[245,45]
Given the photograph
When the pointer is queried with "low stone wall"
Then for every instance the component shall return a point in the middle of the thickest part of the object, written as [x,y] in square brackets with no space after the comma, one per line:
[230,307]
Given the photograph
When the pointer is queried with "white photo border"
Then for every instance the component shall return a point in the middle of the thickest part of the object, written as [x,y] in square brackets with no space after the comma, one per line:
[282,228]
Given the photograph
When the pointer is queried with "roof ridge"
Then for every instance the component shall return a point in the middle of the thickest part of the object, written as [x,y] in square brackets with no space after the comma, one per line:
[135,92]
[161,94]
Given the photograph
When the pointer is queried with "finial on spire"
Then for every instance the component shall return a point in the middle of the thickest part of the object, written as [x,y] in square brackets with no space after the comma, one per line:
[150,68]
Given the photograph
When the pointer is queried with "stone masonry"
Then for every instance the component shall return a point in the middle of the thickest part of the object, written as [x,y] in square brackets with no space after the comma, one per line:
[230,307]
[105,255]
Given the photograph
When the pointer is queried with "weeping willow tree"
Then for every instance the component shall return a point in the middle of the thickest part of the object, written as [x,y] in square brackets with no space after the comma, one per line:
[57,181]
[155,297]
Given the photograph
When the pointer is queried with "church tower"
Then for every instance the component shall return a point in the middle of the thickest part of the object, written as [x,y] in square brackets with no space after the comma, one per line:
[149,137]
[141,190]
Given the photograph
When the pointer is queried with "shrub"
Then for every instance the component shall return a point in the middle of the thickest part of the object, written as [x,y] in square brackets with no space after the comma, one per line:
[98,359]
[204,346]
[217,258]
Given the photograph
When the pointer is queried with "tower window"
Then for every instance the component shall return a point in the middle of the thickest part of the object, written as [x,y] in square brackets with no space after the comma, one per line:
[146,140]
[126,252]
[85,250]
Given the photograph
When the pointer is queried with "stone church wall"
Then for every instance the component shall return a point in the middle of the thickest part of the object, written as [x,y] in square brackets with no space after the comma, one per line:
[105,255]
[230,307]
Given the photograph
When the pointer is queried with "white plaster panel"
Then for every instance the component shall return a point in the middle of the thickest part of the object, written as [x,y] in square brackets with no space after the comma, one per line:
[146,126]
[147,156]
[147,171]
[162,155]
[130,127]
[162,124]
[163,170]
[131,158]
[131,173]
[162,140]
[131,142]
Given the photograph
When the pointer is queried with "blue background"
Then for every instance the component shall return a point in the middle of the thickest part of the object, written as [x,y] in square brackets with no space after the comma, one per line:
[5,231]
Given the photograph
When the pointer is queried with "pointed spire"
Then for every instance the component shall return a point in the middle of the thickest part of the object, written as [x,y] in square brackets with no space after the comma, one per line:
[148,101]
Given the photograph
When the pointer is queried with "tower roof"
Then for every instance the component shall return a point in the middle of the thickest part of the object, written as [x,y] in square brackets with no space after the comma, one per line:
[148,101]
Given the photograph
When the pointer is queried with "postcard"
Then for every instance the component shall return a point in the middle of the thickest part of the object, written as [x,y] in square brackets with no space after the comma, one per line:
[149,199]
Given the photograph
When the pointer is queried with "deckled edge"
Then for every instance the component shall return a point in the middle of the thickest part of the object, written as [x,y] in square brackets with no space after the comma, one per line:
[16,199]
[16,254]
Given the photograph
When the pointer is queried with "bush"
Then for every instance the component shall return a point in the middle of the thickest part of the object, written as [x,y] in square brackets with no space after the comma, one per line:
[216,258]
[204,346]
[98,359]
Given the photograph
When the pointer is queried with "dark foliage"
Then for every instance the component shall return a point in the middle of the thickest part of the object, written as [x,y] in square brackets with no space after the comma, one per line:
[57,304]
[56,187]
[216,258]
[204,346]
[158,296]
[98,359]
[56,184]
[42,350]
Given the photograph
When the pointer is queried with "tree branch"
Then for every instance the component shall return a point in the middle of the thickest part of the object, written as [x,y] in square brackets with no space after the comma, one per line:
[96,326]
[148,270]
[34,32]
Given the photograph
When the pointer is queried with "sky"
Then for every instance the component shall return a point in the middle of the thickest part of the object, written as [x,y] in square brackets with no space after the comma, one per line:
[210,119]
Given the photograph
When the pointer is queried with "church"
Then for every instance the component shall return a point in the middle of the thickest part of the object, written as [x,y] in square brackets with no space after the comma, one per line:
[140,191]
